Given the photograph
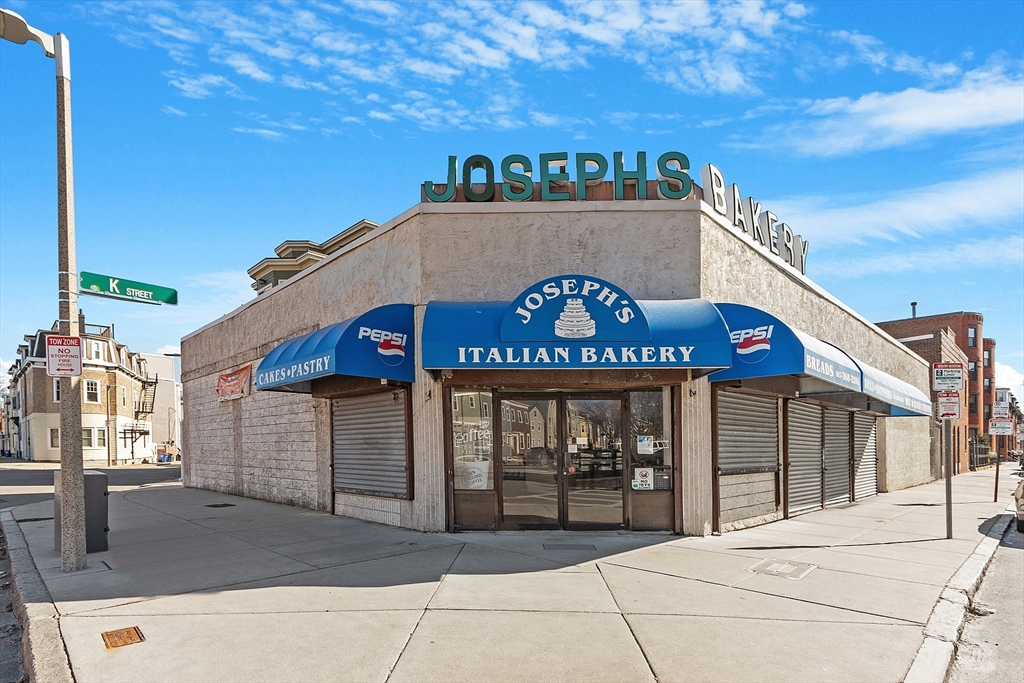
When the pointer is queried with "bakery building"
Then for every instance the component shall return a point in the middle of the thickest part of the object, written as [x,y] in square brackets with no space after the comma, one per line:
[556,350]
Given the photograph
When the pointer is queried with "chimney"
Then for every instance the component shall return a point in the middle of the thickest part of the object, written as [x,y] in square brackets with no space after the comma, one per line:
[913,309]
[81,322]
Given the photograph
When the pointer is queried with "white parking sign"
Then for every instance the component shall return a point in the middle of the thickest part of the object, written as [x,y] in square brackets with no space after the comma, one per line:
[63,356]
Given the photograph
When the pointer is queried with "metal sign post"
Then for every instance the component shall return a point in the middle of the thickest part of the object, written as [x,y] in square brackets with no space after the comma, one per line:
[947,427]
[948,380]
[998,427]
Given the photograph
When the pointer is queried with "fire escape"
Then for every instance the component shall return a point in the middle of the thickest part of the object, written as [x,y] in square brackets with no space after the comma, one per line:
[143,409]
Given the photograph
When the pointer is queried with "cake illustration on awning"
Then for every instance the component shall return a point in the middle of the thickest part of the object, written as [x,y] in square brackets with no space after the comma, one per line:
[574,321]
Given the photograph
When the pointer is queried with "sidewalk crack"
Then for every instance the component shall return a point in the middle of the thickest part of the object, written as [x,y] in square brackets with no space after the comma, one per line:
[622,615]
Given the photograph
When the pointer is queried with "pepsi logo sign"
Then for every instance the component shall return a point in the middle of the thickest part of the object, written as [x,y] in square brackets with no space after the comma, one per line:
[753,344]
[390,345]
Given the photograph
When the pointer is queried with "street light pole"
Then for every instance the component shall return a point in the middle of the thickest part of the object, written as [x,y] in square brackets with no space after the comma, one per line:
[72,480]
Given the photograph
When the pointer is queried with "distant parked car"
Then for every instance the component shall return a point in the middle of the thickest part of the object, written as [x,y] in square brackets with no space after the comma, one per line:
[1018,496]
[539,455]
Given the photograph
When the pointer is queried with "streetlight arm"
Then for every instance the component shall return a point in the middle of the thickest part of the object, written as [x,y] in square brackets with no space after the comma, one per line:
[15,29]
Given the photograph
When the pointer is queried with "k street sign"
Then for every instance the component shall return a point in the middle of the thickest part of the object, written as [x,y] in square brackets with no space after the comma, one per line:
[127,290]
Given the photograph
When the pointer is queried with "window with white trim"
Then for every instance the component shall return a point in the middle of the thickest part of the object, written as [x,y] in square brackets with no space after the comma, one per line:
[56,389]
[124,396]
[54,438]
[86,437]
[97,350]
[92,391]
[101,437]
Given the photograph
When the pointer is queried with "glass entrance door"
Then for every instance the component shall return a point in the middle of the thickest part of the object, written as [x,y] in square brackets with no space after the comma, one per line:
[561,461]
[593,472]
[530,459]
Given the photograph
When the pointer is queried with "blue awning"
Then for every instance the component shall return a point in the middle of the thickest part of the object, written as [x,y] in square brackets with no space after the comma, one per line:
[764,346]
[376,344]
[904,399]
[687,333]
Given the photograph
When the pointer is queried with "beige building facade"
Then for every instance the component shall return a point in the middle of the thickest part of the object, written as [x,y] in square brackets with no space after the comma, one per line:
[580,445]
[118,393]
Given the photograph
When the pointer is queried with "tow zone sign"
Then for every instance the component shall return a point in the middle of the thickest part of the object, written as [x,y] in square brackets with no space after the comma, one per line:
[63,356]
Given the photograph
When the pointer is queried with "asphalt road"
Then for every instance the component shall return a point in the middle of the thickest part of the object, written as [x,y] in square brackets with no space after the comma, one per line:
[22,483]
[991,646]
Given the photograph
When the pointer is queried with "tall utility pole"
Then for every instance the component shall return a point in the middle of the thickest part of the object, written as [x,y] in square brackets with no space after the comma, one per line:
[72,502]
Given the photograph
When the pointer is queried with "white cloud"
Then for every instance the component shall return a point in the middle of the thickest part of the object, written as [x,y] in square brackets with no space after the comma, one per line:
[168,109]
[202,86]
[264,133]
[1009,376]
[838,126]
[244,64]
[380,115]
[873,52]
[975,201]
[169,349]
[302,84]
[5,379]
[947,258]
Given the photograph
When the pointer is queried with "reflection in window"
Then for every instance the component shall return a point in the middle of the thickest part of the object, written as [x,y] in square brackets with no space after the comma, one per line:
[650,427]
[472,439]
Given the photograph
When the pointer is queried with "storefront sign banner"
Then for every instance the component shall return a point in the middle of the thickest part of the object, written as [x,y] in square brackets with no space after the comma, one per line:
[684,334]
[894,391]
[764,346]
[376,344]
[233,385]
[574,307]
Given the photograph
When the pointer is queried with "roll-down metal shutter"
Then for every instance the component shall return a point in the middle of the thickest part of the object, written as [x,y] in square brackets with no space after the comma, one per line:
[748,432]
[865,456]
[804,445]
[370,443]
[837,456]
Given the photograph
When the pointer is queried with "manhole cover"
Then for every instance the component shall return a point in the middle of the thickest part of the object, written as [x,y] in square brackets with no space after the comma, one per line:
[122,637]
[569,546]
[785,568]
[221,505]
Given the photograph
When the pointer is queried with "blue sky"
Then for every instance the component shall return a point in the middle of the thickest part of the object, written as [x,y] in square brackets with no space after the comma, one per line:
[891,135]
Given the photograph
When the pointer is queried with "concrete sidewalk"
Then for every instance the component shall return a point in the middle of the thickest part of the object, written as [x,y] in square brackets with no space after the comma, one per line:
[227,589]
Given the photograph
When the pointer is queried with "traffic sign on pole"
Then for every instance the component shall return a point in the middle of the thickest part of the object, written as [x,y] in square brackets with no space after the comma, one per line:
[949,405]
[947,376]
[126,290]
[63,356]
[1000,427]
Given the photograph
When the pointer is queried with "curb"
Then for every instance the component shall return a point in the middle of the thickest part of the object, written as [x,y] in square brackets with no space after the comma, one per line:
[934,658]
[42,644]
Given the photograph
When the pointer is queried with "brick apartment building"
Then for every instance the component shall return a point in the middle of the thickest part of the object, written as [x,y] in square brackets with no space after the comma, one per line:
[930,337]
[937,339]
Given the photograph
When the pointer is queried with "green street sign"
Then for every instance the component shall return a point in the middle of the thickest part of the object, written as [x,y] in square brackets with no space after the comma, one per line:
[126,290]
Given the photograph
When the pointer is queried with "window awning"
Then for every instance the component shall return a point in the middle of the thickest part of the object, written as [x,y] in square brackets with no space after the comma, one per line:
[376,344]
[903,399]
[764,346]
[687,333]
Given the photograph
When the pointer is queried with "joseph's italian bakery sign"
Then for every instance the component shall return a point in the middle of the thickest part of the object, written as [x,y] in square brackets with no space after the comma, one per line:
[516,179]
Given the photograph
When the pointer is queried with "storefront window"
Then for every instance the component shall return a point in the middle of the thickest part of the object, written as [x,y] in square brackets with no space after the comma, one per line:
[650,426]
[472,442]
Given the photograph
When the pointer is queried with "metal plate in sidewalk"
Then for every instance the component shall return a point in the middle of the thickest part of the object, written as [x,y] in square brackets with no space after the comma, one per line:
[122,637]
[787,569]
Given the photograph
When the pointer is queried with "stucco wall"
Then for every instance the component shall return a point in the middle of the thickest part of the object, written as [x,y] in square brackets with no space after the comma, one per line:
[276,445]
[476,252]
[734,271]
